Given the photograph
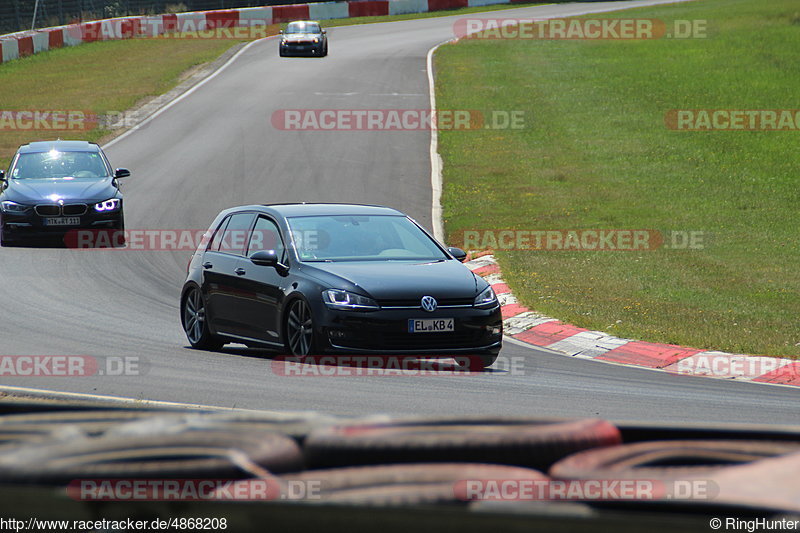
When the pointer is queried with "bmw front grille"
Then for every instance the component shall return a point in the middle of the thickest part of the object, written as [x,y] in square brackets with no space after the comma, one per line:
[54,210]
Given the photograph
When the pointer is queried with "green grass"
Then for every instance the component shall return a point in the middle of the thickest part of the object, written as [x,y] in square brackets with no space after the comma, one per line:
[100,77]
[595,153]
[112,76]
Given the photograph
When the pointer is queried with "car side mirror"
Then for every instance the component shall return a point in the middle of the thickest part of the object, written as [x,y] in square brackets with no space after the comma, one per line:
[458,253]
[324,31]
[2,175]
[264,258]
[121,173]
[280,31]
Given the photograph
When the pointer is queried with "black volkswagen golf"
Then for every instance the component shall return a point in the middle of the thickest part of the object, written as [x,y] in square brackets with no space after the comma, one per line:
[327,278]
[58,186]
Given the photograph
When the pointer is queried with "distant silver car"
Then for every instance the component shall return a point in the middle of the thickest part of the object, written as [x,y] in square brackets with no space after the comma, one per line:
[303,37]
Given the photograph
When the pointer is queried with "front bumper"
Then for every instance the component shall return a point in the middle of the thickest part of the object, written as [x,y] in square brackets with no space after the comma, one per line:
[30,225]
[302,49]
[476,331]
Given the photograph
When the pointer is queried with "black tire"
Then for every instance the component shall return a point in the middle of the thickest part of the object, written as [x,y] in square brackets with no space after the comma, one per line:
[300,340]
[40,426]
[660,459]
[408,484]
[531,443]
[195,325]
[208,454]
[15,428]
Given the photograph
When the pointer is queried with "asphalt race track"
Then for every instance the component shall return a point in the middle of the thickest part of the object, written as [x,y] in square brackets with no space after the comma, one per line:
[217,148]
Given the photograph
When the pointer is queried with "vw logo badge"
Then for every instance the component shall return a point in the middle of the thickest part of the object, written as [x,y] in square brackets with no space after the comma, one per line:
[429,304]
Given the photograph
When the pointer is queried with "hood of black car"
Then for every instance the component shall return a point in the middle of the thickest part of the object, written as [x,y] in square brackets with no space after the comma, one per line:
[400,280]
[34,191]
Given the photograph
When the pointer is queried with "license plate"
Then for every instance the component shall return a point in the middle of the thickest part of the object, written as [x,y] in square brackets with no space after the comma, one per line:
[430,325]
[62,221]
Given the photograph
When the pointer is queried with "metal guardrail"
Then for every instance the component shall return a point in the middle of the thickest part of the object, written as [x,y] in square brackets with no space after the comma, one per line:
[18,15]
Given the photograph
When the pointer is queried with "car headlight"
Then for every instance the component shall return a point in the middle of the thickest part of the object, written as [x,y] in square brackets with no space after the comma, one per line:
[316,40]
[348,301]
[111,204]
[486,299]
[13,207]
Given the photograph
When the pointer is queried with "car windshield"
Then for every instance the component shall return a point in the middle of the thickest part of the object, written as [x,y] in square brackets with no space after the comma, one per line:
[361,238]
[302,27]
[57,164]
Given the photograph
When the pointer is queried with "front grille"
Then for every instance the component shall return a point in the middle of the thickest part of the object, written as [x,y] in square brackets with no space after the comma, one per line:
[466,302]
[74,209]
[48,210]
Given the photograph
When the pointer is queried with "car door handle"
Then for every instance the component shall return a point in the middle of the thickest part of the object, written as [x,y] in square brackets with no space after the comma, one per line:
[207,264]
[240,271]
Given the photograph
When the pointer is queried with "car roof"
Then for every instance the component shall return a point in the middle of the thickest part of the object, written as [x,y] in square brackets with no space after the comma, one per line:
[321,209]
[59,145]
[305,21]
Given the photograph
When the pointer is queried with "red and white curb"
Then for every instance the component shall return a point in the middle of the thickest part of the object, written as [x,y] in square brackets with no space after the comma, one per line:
[530,327]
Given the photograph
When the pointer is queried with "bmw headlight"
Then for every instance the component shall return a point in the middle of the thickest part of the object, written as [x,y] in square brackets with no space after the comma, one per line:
[486,299]
[348,301]
[111,204]
[13,207]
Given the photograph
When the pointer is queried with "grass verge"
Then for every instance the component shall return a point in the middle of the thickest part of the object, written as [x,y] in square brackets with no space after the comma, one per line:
[595,153]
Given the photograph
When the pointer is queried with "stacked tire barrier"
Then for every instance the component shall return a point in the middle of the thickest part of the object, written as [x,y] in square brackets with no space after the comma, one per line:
[390,462]
[22,44]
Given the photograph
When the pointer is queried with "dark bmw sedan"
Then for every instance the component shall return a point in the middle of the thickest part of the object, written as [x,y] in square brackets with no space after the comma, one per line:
[55,187]
[336,278]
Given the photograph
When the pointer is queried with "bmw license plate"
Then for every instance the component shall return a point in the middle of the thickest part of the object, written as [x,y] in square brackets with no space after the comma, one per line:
[62,221]
[430,325]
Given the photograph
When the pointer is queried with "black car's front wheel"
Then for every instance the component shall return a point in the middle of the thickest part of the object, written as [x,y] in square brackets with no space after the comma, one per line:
[193,317]
[299,329]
